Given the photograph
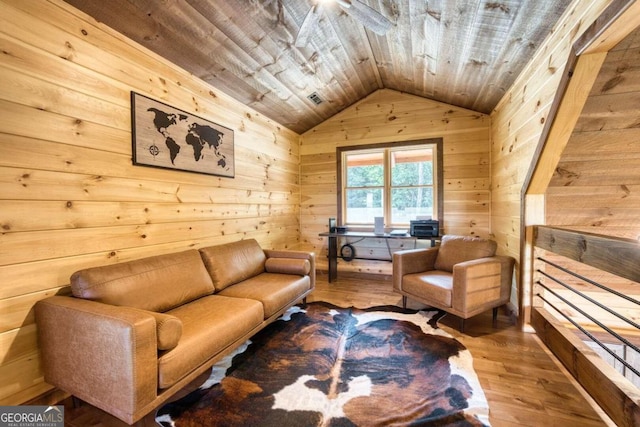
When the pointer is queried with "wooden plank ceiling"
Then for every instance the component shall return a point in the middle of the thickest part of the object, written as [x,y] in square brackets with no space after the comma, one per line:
[465,53]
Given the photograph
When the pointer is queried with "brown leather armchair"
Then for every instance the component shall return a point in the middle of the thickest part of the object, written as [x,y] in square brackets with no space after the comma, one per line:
[462,276]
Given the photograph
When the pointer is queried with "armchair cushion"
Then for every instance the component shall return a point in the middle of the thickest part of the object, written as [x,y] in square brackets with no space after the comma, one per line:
[433,286]
[457,249]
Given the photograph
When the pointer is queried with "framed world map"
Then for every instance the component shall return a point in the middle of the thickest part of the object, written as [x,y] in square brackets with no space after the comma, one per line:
[166,137]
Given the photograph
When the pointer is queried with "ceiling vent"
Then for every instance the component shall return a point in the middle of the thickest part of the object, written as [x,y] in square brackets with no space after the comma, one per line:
[315,98]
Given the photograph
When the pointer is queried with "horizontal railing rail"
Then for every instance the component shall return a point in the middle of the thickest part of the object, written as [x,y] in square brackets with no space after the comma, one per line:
[585,297]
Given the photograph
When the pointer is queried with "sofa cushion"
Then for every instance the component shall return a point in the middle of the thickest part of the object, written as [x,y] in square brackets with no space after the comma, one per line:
[210,325]
[274,291]
[298,266]
[157,283]
[168,330]
[456,249]
[233,262]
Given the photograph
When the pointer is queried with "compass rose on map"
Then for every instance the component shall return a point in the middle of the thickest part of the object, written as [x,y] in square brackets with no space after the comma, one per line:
[154,150]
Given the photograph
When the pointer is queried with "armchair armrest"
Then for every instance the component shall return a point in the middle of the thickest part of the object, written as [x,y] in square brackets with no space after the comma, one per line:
[480,284]
[309,256]
[103,354]
[412,261]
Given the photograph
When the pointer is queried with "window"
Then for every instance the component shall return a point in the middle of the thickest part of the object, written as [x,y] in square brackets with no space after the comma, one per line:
[397,181]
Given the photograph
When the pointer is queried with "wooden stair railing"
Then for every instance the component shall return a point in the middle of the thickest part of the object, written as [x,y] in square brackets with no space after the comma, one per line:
[619,398]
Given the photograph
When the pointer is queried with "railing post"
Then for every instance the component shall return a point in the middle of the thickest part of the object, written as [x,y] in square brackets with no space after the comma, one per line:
[533,214]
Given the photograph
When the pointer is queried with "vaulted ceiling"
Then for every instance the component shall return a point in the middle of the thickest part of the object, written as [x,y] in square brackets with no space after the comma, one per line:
[465,53]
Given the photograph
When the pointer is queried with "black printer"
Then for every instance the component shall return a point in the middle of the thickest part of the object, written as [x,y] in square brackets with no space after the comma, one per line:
[424,228]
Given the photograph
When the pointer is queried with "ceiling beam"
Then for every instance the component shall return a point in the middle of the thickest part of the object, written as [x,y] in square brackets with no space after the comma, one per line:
[603,36]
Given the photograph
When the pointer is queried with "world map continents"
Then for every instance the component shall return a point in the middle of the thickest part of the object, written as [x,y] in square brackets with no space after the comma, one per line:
[195,135]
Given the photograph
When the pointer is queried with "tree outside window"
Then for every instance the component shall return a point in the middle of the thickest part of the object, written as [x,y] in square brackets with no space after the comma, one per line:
[412,182]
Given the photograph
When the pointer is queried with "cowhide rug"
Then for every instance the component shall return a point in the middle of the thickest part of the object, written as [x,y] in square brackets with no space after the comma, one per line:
[321,365]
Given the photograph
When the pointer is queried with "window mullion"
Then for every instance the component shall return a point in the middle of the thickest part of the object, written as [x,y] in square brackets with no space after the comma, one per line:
[343,190]
[387,187]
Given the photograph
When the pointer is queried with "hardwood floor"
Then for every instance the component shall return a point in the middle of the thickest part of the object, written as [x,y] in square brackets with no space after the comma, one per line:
[524,384]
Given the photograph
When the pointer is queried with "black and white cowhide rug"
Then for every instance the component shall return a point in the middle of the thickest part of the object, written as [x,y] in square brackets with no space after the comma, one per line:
[320,365]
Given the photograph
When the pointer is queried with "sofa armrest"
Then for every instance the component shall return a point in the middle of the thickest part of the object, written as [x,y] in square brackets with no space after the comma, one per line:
[478,284]
[309,256]
[412,261]
[105,355]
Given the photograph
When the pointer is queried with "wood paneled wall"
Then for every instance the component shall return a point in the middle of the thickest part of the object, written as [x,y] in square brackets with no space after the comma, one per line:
[389,116]
[519,119]
[69,195]
[596,186]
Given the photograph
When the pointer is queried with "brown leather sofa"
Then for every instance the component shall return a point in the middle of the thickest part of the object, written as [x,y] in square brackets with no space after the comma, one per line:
[133,334]
[462,276]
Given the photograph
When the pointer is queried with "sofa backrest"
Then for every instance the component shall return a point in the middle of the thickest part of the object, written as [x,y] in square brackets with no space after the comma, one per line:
[157,283]
[456,249]
[234,262]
